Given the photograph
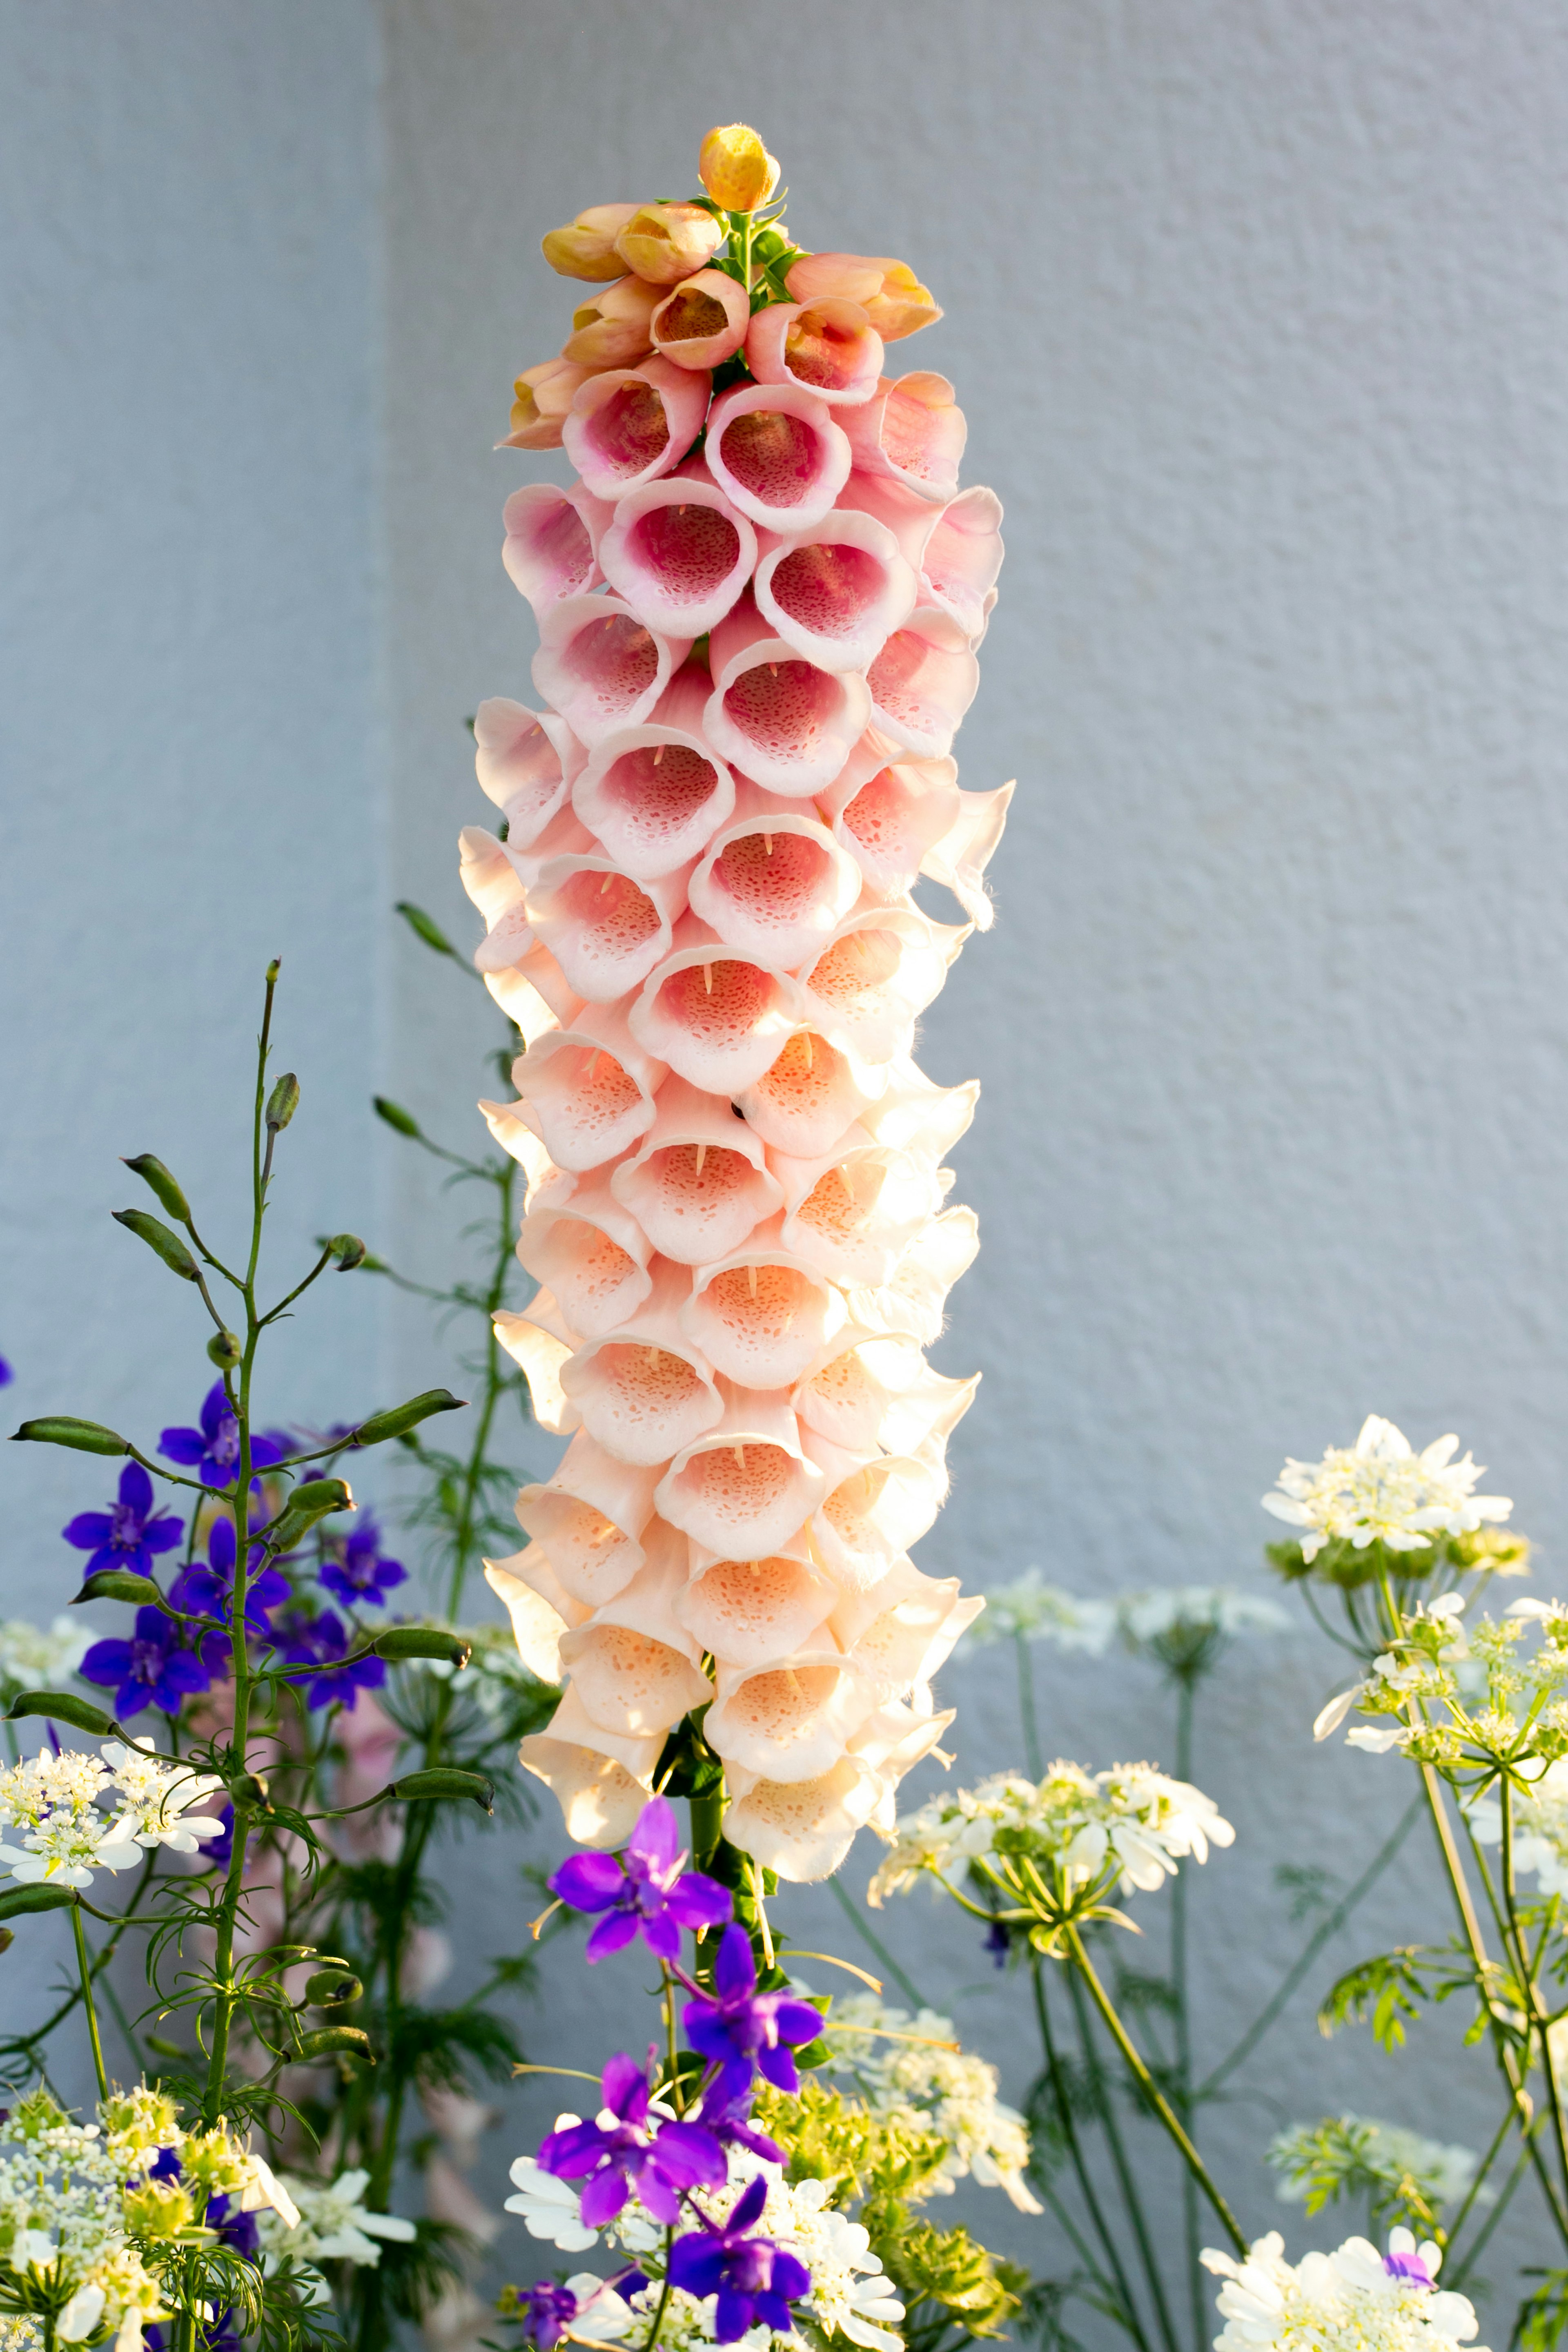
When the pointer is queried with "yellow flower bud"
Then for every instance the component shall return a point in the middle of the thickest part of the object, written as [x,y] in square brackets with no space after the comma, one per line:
[542,396]
[611,330]
[586,247]
[736,169]
[663,243]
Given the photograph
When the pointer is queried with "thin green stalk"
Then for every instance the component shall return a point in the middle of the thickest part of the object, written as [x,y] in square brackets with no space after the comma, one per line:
[1304,1958]
[869,1936]
[1473,2192]
[463,1537]
[653,2335]
[1125,2179]
[1527,1987]
[1081,2171]
[1186,1694]
[1026,1716]
[84,1964]
[1152,2092]
[1473,2252]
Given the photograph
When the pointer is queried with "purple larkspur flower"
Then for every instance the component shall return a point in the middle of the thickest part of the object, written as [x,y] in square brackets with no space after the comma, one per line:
[742,2028]
[213,1449]
[152,1669]
[729,2120]
[648,1892]
[545,2312]
[321,1641]
[354,1567]
[658,2159]
[6,1374]
[753,2278]
[130,1533]
[207,1591]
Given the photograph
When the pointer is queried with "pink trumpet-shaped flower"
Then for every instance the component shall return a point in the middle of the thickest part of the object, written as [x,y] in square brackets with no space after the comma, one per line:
[679,553]
[852,1210]
[541,402]
[922,683]
[526,762]
[826,346]
[629,425]
[774,884]
[702,322]
[761,1316]
[601,665]
[698,1185]
[592,1517]
[647,1390]
[717,1019]
[891,812]
[792,1718]
[849,1398]
[589,1088]
[802,1829]
[808,1099]
[550,549]
[836,593]
[873,1511]
[606,931]
[751,1611]
[628,1682]
[748,1485]
[592,1255]
[962,557]
[783,721]
[912,431]
[612,329]
[889,292]
[879,968]
[778,453]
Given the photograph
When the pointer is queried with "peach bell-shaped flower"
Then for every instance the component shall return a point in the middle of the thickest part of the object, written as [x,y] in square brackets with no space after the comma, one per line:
[526,761]
[784,721]
[851,1211]
[629,425]
[962,558]
[541,402]
[762,1317]
[802,1829]
[792,1718]
[888,292]
[777,454]
[748,1611]
[877,974]
[606,931]
[836,593]
[678,552]
[736,168]
[589,1088]
[922,683]
[700,323]
[809,1097]
[646,1391]
[717,1019]
[601,665]
[698,1185]
[664,243]
[551,546]
[912,431]
[747,1486]
[827,346]
[586,247]
[612,330]
[774,884]
[593,1254]
[591,1517]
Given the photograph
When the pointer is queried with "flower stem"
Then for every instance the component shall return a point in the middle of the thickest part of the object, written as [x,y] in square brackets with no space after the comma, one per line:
[1026,1716]
[1126,2180]
[495,1382]
[1151,2091]
[85,1966]
[664,2296]
[1186,1694]
[1129,2319]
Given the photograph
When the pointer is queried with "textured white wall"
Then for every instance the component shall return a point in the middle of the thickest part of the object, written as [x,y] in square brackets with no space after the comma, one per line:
[1256,313]
[190,411]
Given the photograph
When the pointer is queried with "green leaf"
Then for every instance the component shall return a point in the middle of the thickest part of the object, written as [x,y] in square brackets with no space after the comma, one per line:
[282,1103]
[422,1642]
[399,1418]
[423,928]
[15,1900]
[396,1117]
[65,1429]
[156,1176]
[327,2041]
[157,1236]
[1388,1989]
[62,1707]
[443,1781]
[120,1585]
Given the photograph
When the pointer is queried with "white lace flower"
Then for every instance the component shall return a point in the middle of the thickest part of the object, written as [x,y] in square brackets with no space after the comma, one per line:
[1380,1490]
[1146,1620]
[1033,1611]
[32,1658]
[53,1800]
[850,2290]
[1347,2149]
[1540,1828]
[1355,2300]
[158,1798]
[904,2070]
[333,2224]
[551,2208]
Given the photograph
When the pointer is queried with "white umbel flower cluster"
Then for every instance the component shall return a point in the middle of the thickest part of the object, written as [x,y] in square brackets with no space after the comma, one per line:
[1382,1491]
[752,664]
[35,1658]
[1133,1822]
[1355,2300]
[1340,2155]
[908,2068]
[1540,1828]
[1033,1611]
[54,1803]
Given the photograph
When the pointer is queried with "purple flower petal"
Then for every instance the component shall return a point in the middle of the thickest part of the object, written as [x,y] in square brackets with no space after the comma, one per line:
[698,1902]
[656,1838]
[749,2207]
[184,1445]
[798,2021]
[780,2068]
[163,1534]
[611,1934]
[735,1970]
[87,1528]
[603,2198]
[626,2088]
[660,1934]
[214,1405]
[589,1882]
[656,2194]
[136,1490]
[106,1662]
[732,2315]
[697,2263]
[689,2156]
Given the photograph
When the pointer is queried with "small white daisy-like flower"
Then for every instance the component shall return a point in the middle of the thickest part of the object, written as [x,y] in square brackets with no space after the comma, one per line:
[551,2209]
[1381,1491]
[333,2224]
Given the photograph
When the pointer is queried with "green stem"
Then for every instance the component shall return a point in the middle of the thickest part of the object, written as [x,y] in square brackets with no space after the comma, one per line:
[88,2003]
[869,1936]
[1529,1992]
[1473,2253]
[1076,2154]
[1151,2093]
[495,1382]
[1026,1716]
[1186,1692]
[1473,2192]
[664,2298]
[1126,2180]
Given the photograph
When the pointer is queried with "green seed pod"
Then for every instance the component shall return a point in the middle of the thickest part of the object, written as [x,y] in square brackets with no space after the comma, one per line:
[17,1900]
[282,1103]
[156,1176]
[332,1989]
[399,1418]
[443,1781]
[224,1348]
[395,1115]
[65,1429]
[329,2040]
[157,1236]
[422,1642]
[425,928]
[120,1585]
[349,1250]
[62,1707]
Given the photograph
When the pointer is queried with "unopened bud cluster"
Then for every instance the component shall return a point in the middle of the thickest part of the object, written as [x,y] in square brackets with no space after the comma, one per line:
[759,604]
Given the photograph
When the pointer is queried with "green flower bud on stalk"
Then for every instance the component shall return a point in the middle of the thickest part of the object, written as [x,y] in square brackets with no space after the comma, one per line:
[329,2040]
[282,1103]
[442,1782]
[120,1585]
[349,1250]
[62,1707]
[332,1989]
[420,924]
[400,1642]
[156,1176]
[396,1117]
[399,1418]
[225,1348]
[157,1236]
[65,1429]
[15,1900]
[307,1503]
